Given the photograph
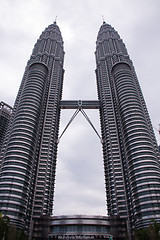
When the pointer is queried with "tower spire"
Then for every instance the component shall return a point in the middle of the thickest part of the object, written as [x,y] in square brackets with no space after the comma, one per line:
[103,19]
[55,21]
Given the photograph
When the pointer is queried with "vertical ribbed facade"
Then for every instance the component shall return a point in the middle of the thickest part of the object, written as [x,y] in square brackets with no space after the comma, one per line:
[131,159]
[29,160]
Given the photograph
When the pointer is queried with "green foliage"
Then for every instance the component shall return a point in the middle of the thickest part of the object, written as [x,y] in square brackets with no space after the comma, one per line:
[10,232]
[150,233]
[4,227]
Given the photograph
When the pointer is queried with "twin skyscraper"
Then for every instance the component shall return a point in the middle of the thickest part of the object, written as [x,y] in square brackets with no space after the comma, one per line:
[130,152]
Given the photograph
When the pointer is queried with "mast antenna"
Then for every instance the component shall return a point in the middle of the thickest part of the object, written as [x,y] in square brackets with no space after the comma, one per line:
[55,19]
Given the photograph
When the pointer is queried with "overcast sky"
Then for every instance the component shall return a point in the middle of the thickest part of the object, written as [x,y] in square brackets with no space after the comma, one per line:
[80,177]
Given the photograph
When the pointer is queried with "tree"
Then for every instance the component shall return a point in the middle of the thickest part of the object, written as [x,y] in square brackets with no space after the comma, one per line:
[150,233]
[4,226]
[10,232]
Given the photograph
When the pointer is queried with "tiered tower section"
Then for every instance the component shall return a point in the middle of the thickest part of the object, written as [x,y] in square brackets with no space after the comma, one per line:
[131,159]
[28,166]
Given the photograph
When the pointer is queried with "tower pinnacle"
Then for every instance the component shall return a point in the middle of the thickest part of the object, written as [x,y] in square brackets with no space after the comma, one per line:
[55,21]
[103,19]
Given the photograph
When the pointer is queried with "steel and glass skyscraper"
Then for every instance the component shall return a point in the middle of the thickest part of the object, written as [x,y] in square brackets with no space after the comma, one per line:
[131,159]
[5,114]
[29,160]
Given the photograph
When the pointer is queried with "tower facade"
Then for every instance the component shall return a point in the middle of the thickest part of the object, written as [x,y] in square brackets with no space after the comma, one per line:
[29,159]
[131,159]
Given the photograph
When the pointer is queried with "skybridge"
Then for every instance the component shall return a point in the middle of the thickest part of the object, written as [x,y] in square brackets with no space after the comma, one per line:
[78,104]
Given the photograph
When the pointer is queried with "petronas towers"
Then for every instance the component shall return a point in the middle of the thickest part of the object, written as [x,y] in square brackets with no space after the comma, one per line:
[28,156]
